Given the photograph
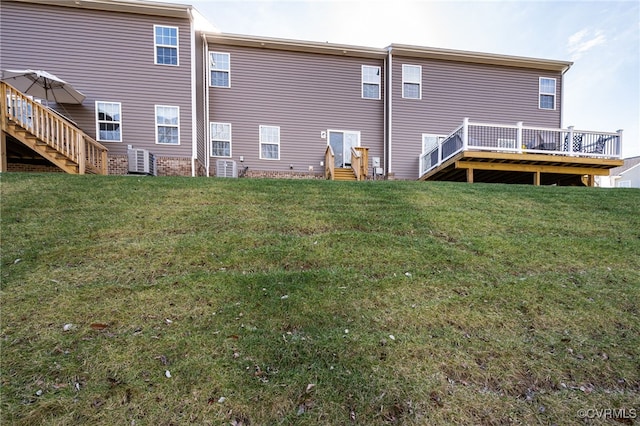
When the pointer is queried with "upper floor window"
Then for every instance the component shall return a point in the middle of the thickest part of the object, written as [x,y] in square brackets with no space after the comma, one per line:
[412,81]
[370,82]
[220,67]
[547,93]
[166,43]
[167,125]
[108,121]
[269,142]
[221,139]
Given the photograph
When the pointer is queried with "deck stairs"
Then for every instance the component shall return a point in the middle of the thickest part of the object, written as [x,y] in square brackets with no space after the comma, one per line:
[47,133]
[344,174]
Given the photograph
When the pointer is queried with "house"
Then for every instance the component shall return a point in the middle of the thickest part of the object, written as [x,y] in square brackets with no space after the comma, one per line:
[274,106]
[135,63]
[625,176]
[197,102]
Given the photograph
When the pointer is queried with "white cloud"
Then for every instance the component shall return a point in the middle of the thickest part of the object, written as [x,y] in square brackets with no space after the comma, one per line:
[584,40]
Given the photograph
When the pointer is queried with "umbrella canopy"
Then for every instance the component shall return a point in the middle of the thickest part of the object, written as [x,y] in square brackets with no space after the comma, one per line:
[43,85]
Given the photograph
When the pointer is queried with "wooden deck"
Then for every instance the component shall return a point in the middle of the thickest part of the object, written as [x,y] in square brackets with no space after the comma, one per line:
[536,169]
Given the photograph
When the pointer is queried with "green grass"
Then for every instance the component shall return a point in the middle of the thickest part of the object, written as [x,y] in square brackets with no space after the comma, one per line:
[398,302]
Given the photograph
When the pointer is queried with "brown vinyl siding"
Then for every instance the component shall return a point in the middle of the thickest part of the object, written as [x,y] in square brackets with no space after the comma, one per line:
[454,90]
[108,56]
[302,93]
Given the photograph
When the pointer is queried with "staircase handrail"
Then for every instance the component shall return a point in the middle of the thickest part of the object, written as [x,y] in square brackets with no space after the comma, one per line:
[329,163]
[54,129]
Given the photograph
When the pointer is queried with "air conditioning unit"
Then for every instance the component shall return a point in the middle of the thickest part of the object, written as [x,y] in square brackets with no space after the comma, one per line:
[142,161]
[226,168]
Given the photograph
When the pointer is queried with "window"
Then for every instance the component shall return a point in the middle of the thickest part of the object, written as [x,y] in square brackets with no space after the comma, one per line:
[412,81]
[269,143]
[220,139]
[167,125]
[547,92]
[370,82]
[108,121]
[220,66]
[166,41]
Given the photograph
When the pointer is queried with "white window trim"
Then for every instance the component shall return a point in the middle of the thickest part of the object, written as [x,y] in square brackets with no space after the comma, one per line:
[156,45]
[540,92]
[378,83]
[98,121]
[211,124]
[419,83]
[155,120]
[268,143]
[211,68]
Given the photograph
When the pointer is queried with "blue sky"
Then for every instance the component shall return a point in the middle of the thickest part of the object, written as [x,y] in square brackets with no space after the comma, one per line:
[602,38]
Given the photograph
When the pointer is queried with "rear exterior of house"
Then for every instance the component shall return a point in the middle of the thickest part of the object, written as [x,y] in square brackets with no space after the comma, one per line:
[274,106]
[133,61]
[433,90]
[210,104]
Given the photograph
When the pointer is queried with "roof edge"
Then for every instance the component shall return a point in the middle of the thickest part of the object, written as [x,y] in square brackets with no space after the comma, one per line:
[144,7]
[480,58]
[296,45]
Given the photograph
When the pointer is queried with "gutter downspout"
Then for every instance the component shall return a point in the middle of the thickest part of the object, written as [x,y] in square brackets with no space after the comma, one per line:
[205,98]
[194,118]
[389,108]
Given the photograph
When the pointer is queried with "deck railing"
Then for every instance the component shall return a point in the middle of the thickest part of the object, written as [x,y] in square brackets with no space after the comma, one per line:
[53,129]
[519,139]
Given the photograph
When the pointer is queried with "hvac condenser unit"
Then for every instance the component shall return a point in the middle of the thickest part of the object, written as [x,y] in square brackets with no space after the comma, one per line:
[226,168]
[142,161]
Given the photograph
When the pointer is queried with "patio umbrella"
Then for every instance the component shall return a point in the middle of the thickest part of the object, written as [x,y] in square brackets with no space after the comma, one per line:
[43,85]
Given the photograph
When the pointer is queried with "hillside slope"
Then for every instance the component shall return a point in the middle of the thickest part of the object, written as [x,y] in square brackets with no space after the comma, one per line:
[170,301]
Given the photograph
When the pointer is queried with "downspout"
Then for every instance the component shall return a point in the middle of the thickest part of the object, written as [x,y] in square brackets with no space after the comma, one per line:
[384,119]
[205,99]
[194,118]
[389,107]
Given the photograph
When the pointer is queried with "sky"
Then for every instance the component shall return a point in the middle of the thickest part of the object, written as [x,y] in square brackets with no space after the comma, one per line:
[602,38]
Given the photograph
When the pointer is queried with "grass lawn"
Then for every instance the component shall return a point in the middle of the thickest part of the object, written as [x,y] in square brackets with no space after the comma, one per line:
[173,301]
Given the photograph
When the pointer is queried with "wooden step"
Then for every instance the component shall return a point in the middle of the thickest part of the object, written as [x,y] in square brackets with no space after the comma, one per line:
[344,174]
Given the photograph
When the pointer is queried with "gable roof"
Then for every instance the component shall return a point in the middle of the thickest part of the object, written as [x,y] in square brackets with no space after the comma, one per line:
[145,7]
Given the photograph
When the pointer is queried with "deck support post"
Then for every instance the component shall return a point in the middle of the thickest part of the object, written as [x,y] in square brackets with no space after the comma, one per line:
[3,151]
[536,178]
[469,175]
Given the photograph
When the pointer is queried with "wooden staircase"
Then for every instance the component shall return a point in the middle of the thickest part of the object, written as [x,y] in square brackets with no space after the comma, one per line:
[346,174]
[359,165]
[48,134]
